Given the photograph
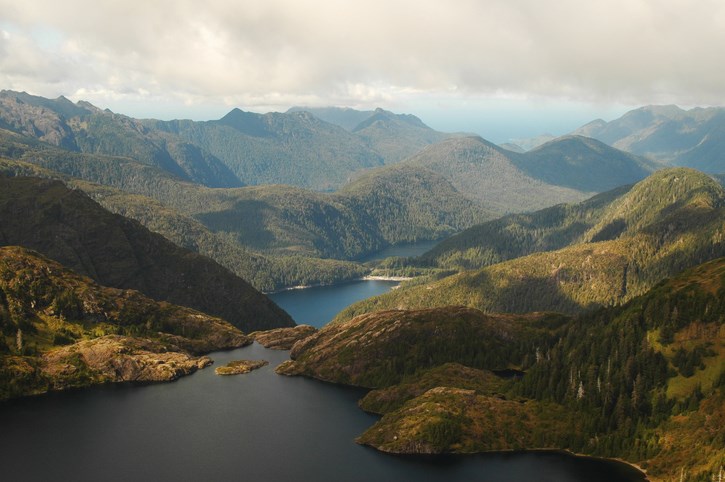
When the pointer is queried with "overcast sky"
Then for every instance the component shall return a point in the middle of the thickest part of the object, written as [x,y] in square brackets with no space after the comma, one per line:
[502,68]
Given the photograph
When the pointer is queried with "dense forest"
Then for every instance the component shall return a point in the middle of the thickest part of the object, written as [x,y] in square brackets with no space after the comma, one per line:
[644,381]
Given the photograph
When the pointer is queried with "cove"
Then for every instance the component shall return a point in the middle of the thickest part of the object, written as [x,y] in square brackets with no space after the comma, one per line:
[318,305]
[255,427]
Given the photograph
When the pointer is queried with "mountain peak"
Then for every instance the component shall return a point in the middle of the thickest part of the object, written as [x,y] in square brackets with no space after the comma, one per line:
[246,122]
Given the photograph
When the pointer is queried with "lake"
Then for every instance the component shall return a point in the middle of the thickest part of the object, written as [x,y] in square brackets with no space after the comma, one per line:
[255,427]
[318,305]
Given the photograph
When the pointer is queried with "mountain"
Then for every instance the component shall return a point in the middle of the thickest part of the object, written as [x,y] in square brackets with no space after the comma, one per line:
[396,136]
[693,138]
[345,117]
[508,181]
[67,226]
[296,148]
[61,330]
[664,224]
[393,136]
[584,164]
[643,382]
[84,128]
[281,220]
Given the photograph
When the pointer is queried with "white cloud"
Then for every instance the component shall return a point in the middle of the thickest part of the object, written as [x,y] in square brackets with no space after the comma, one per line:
[281,52]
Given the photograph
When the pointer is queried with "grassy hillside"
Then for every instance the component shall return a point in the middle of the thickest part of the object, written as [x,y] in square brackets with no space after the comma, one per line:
[69,227]
[664,224]
[60,330]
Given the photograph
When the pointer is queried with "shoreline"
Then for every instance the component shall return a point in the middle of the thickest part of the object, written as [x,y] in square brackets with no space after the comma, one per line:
[320,285]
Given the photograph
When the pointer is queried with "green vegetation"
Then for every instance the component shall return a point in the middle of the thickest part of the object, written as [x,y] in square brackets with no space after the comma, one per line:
[61,330]
[668,222]
[67,226]
[606,383]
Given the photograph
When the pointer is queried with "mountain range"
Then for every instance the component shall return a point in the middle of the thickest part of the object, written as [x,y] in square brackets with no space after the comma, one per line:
[666,134]
[602,252]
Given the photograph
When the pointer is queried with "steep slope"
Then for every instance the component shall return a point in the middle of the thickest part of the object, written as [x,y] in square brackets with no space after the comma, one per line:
[84,128]
[66,225]
[61,330]
[670,221]
[296,148]
[693,138]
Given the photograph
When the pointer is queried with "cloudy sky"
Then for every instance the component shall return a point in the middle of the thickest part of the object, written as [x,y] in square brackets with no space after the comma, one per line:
[502,68]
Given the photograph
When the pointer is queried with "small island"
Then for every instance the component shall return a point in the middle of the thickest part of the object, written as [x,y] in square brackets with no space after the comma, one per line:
[239,367]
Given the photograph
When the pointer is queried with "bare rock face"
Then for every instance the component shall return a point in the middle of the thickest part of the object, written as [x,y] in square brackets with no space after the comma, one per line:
[240,367]
[115,358]
[283,338]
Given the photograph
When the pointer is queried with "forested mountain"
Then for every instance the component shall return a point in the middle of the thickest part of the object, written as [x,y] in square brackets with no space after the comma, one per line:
[584,164]
[643,382]
[293,148]
[396,136]
[511,182]
[370,213]
[345,117]
[84,128]
[672,220]
[60,330]
[517,235]
[69,227]
[693,138]
[296,149]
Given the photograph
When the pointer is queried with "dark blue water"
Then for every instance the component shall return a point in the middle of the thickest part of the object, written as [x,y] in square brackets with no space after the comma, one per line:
[255,427]
[318,305]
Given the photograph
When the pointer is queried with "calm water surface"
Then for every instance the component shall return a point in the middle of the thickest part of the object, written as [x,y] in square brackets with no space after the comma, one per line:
[318,305]
[255,427]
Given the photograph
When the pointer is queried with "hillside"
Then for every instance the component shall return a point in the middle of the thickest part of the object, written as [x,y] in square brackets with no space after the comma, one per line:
[281,220]
[85,128]
[296,148]
[670,221]
[584,164]
[641,382]
[506,181]
[396,136]
[60,330]
[693,138]
[393,136]
[67,226]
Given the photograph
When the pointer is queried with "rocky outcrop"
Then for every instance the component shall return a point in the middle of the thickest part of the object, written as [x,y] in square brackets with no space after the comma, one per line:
[115,358]
[283,338]
[240,367]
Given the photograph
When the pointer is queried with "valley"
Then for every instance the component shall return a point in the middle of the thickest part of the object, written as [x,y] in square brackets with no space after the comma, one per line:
[470,294]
